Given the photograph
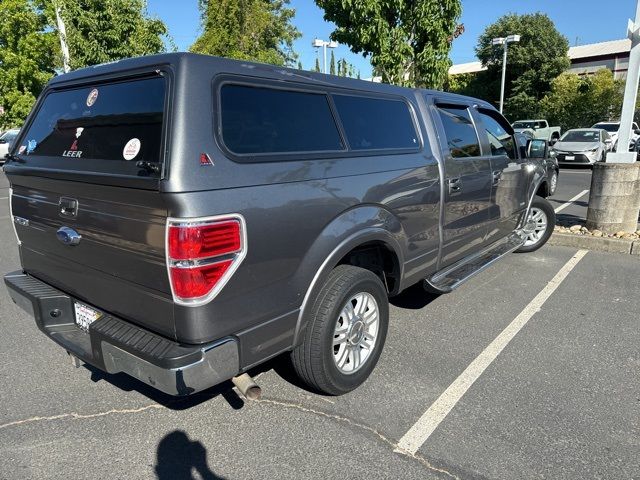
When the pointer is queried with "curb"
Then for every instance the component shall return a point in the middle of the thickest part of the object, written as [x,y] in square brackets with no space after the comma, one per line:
[600,244]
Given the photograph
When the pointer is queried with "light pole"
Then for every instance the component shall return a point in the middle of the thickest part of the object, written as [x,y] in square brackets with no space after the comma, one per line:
[504,41]
[317,43]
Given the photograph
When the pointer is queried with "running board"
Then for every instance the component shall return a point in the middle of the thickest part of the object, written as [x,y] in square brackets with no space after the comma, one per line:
[452,277]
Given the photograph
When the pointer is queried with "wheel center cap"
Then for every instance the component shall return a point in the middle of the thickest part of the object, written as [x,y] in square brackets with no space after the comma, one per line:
[356,332]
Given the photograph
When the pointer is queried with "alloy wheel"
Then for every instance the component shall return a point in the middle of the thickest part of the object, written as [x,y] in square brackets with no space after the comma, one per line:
[356,332]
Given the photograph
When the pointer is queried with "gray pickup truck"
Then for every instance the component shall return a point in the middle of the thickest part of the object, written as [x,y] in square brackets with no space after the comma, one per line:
[183,218]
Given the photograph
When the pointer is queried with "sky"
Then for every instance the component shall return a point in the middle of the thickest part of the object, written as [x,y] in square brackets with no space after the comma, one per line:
[581,21]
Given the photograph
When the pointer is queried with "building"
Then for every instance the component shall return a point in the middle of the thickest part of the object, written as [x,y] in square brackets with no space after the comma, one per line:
[585,59]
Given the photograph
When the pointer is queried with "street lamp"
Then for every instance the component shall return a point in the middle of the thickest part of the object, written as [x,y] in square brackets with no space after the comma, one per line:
[504,41]
[317,43]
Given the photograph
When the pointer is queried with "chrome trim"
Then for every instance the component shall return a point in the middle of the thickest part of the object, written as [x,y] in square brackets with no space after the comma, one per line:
[238,257]
[13,225]
[219,362]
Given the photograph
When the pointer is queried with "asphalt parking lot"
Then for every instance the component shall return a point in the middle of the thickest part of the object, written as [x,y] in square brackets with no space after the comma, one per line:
[571,199]
[557,396]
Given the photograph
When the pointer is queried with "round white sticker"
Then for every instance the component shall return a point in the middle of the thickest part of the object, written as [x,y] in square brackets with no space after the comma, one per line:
[131,149]
[92,97]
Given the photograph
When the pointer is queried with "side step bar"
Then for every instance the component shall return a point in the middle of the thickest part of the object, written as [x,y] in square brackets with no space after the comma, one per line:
[455,275]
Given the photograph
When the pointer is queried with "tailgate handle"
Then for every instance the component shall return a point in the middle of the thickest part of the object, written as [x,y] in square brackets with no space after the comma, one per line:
[68,207]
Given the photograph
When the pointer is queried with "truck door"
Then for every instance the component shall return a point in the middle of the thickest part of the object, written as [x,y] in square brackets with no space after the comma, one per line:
[509,175]
[467,183]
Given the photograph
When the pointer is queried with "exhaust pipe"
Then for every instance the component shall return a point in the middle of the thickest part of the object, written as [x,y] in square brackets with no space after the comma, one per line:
[247,386]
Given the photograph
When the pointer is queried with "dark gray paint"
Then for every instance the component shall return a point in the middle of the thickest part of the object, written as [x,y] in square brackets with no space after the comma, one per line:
[303,214]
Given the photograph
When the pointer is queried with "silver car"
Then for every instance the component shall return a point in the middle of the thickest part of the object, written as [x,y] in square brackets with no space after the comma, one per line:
[584,146]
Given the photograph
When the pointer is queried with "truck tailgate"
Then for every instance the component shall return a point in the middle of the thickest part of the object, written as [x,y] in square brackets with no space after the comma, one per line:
[118,265]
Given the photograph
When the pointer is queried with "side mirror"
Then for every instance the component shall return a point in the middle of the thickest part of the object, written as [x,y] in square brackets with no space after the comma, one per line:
[537,148]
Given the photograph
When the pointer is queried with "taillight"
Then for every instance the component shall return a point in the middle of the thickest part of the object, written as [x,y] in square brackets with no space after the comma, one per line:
[202,254]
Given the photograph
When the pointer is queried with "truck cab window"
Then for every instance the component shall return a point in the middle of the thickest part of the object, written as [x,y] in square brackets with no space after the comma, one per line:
[461,135]
[501,141]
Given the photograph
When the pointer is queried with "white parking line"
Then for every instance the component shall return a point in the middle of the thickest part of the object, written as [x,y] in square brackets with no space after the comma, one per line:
[425,426]
[566,204]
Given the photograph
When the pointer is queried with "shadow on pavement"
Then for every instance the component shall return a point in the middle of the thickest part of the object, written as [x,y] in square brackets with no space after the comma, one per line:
[413,298]
[178,457]
[128,384]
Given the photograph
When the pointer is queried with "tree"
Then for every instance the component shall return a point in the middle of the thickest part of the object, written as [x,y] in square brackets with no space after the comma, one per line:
[299,65]
[576,101]
[317,66]
[408,41]
[100,31]
[259,30]
[332,64]
[26,58]
[532,65]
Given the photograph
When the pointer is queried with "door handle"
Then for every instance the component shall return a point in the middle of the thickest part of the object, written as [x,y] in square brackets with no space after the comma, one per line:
[455,186]
[68,207]
[497,175]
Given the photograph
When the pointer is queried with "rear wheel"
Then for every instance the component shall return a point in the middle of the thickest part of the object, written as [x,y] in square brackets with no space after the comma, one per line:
[345,333]
[539,225]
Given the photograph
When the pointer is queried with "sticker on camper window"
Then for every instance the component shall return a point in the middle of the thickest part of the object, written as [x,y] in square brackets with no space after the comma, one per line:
[31,146]
[131,149]
[22,149]
[92,97]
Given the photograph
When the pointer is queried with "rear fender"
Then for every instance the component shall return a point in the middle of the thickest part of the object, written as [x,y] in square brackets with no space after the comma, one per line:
[351,229]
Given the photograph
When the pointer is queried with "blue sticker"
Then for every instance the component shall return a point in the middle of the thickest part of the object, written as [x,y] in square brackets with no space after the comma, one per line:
[31,146]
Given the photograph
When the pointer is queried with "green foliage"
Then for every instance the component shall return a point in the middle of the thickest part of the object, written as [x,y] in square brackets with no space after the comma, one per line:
[576,101]
[317,66]
[299,65]
[259,30]
[26,58]
[532,64]
[408,41]
[332,64]
[100,31]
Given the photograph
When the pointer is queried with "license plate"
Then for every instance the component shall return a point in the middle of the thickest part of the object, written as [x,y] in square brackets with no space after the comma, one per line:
[85,316]
[570,157]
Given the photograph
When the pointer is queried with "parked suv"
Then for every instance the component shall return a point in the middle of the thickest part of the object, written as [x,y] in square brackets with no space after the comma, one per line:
[183,218]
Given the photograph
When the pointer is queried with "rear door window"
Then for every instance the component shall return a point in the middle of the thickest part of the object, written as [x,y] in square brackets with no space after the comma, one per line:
[376,123]
[106,128]
[268,121]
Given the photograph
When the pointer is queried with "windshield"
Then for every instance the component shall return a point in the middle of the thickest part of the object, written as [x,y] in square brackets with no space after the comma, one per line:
[524,124]
[608,127]
[106,128]
[9,135]
[581,136]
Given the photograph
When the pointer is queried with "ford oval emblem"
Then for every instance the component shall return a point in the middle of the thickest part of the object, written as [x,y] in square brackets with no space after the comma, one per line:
[68,236]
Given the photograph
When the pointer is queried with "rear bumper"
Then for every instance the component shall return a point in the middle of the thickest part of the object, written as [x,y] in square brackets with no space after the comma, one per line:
[114,345]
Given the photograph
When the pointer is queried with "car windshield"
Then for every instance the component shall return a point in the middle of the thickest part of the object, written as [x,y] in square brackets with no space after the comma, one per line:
[9,135]
[581,136]
[608,127]
[524,125]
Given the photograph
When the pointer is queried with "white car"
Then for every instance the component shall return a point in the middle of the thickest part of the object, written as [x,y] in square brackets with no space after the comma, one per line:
[583,146]
[613,129]
[6,141]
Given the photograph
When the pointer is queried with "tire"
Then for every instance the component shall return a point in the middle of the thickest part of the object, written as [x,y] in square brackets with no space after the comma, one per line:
[545,221]
[318,361]
[553,183]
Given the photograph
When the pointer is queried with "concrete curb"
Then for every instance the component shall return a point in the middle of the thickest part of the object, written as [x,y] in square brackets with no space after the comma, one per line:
[600,244]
